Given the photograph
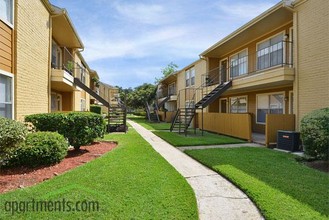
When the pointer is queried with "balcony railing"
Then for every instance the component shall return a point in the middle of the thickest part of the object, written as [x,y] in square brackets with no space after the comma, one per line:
[276,55]
[67,62]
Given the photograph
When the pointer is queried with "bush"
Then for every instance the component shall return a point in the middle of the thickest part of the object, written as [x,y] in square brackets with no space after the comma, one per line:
[40,148]
[96,109]
[140,112]
[12,133]
[80,128]
[315,133]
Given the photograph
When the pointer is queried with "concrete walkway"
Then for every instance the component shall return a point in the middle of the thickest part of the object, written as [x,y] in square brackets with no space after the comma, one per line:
[216,197]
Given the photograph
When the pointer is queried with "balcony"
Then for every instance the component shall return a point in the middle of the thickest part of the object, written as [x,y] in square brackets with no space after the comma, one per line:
[268,67]
[62,72]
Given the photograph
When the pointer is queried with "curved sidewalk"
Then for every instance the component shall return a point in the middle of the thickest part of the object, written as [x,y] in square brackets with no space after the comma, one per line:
[216,197]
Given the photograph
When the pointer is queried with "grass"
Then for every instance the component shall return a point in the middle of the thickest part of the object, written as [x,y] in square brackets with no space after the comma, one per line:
[191,139]
[281,187]
[151,125]
[130,182]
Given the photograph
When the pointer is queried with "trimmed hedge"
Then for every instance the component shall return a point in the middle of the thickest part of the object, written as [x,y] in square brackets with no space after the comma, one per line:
[80,128]
[96,109]
[40,148]
[314,130]
[12,133]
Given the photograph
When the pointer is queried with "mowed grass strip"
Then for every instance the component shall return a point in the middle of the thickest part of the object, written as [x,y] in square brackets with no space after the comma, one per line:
[130,182]
[180,140]
[280,186]
[151,125]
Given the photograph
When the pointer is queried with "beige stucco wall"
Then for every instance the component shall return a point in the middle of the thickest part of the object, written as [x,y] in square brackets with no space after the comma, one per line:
[311,23]
[32,53]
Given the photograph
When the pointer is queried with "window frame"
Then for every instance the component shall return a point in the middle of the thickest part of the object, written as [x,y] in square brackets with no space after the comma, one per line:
[10,75]
[220,105]
[283,48]
[243,96]
[268,94]
[188,77]
[174,86]
[11,25]
[81,105]
[58,51]
[247,63]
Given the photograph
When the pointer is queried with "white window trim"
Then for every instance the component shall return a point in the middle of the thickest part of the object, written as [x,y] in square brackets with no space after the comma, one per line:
[189,75]
[271,93]
[243,96]
[5,73]
[227,68]
[220,105]
[284,51]
[229,63]
[13,17]
[291,93]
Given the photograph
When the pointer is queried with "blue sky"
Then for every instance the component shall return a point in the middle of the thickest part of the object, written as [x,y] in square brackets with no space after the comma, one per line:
[129,42]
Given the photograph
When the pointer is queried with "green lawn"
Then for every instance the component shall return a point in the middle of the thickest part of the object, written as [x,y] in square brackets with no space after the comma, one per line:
[281,187]
[130,182]
[151,125]
[191,139]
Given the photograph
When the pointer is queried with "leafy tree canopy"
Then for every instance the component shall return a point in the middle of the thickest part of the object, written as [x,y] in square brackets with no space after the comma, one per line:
[169,69]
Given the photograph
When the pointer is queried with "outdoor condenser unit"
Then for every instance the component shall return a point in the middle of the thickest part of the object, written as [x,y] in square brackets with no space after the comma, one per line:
[288,140]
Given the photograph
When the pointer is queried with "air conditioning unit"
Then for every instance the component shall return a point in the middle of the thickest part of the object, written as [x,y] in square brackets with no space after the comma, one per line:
[288,140]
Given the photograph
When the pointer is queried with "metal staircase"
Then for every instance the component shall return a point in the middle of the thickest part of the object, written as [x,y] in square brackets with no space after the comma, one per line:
[117,114]
[117,117]
[163,101]
[184,116]
[152,116]
[213,95]
[182,119]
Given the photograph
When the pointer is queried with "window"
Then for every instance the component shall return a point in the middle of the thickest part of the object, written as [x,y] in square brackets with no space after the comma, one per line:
[83,105]
[56,56]
[56,102]
[172,89]
[270,52]
[6,96]
[6,11]
[190,77]
[239,64]
[82,74]
[269,104]
[238,104]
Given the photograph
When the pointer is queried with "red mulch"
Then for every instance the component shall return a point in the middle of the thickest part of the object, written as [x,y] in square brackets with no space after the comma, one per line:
[20,177]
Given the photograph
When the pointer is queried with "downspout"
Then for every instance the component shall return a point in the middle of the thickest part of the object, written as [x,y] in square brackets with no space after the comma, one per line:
[291,7]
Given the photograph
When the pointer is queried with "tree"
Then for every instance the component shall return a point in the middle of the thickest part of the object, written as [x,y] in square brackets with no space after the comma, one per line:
[135,98]
[169,69]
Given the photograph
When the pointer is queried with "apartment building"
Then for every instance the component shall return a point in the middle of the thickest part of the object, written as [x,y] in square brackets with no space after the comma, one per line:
[265,76]
[41,65]
[177,89]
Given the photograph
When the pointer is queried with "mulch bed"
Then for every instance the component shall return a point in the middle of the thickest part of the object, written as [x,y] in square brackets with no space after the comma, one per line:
[21,177]
[319,165]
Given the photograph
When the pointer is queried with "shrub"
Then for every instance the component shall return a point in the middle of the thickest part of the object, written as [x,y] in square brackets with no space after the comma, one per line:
[39,148]
[96,109]
[315,133]
[84,128]
[12,133]
[80,128]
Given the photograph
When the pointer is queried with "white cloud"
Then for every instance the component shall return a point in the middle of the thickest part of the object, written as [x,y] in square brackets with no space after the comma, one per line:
[155,14]
[243,10]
